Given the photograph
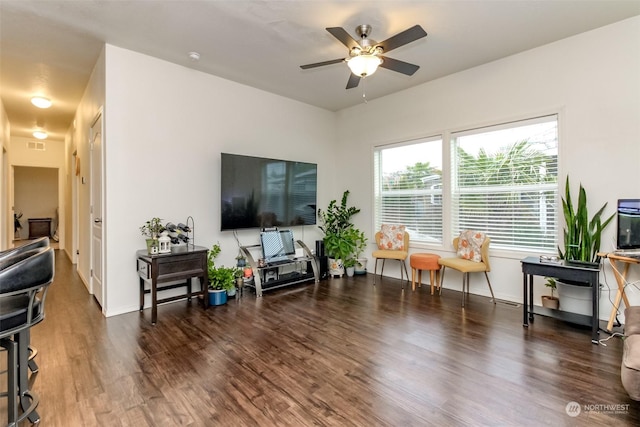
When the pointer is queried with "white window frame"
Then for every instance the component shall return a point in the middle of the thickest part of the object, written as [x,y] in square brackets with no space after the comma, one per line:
[541,243]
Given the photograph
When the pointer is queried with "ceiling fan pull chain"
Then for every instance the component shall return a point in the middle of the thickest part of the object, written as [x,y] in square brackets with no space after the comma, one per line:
[364,95]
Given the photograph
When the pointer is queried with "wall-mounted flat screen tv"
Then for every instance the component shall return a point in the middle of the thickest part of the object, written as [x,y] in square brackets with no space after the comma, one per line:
[258,192]
[629,224]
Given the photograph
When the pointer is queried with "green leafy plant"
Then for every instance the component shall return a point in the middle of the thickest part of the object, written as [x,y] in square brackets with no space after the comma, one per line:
[340,235]
[582,236]
[551,284]
[219,277]
[152,228]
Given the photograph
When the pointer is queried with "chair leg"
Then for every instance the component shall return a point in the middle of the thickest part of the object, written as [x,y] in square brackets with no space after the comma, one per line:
[442,278]
[12,379]
[432,273]
[375,271]
[465,284]
[413,279]
[404,265]
[490,288]
[28,400]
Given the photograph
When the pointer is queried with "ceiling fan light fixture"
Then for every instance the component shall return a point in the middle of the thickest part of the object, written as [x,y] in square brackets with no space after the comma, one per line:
[364,65]
[41,101]
[40,134]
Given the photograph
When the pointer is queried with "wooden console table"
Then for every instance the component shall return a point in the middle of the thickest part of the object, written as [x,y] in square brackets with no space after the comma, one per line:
[532,266]
[39,227]
[171,267]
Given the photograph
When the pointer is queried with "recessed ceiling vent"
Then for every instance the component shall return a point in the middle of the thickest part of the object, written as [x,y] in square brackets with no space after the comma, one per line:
[36,145]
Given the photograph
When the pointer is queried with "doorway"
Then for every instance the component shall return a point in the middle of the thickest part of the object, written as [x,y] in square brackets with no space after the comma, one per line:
[35,202]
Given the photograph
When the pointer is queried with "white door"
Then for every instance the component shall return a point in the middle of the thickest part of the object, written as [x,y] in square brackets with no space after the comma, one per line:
[96,210]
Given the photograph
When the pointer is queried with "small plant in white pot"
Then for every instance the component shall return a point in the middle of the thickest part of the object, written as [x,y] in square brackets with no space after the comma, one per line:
[361,245]
[550,301]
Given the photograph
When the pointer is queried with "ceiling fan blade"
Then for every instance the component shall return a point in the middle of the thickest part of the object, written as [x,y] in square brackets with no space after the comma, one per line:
[407,36]
[320,64]
[344,37]
[354,81]
[399,66]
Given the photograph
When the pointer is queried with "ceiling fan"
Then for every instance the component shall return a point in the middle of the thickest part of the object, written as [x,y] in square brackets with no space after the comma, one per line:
[366,54]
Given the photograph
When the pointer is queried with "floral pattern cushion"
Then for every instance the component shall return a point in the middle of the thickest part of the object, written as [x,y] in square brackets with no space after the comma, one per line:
[469,244]
[392,237]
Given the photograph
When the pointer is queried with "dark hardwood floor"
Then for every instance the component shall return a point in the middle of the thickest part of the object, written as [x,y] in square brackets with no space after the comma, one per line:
[340,353]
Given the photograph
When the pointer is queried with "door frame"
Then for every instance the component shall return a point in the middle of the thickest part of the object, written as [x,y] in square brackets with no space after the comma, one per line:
[102,299]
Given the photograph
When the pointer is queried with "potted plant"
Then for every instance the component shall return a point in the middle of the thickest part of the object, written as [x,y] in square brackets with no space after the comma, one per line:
[361,245]
[582,238]
[339,232]
[550,301]
[222,280]
[152,229]
[350,265]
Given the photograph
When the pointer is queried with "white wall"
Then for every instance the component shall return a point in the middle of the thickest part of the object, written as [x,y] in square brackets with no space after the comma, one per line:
[6,211]
[166,126]
[592,80]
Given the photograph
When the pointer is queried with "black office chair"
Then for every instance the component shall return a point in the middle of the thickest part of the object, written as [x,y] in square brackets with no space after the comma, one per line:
[42,242]
[24,282]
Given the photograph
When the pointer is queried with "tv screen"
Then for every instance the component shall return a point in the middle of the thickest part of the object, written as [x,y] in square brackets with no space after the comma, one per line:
[258,192]
[629,224]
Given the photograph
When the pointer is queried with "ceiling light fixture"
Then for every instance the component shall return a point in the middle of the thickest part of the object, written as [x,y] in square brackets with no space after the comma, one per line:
[364,65]
[41,102]
[194,56]
[40,134]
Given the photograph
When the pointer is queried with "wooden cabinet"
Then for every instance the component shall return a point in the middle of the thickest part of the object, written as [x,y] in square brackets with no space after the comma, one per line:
[171,267]
[39,227]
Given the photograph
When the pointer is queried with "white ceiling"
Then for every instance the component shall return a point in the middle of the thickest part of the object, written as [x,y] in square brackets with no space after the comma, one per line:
[51,46]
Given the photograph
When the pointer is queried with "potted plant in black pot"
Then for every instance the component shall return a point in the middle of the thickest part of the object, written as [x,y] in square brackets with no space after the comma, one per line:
[222,280]
[339,232]
[582,238]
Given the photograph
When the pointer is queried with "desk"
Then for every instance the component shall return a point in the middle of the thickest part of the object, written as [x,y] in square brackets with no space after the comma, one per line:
[171,267]
[531,266]
[621,278]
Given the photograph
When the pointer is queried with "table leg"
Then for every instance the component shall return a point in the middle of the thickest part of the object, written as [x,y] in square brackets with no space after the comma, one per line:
[154,302]
[531,297]
[141,294]
[614,310]
[621,279]
[525,305]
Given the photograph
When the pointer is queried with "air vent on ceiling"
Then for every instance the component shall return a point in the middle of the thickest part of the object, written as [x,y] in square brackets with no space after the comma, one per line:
[36,145]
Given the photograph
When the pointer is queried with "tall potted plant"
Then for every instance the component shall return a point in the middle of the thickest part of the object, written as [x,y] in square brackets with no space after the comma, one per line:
[339,233]
[582,238]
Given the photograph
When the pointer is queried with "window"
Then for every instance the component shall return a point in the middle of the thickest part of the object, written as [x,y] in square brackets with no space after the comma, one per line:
[504,181]
[408,188]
